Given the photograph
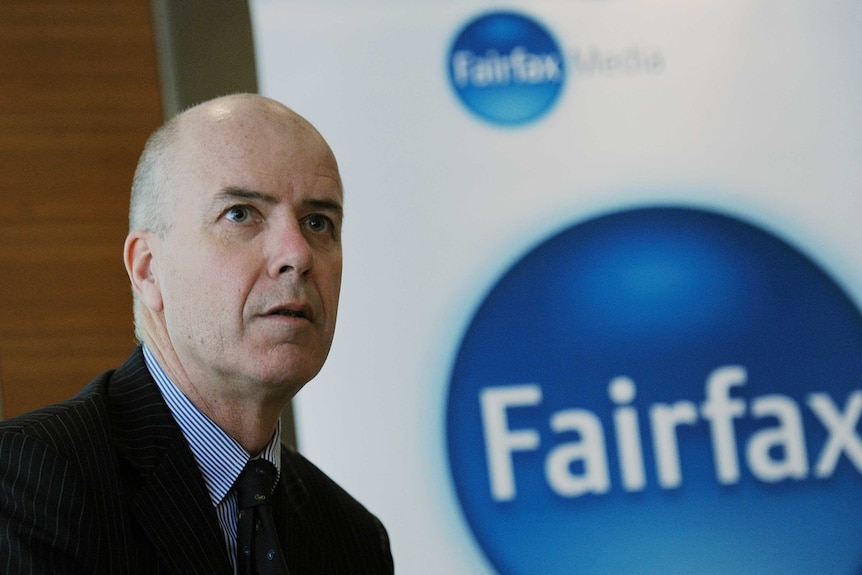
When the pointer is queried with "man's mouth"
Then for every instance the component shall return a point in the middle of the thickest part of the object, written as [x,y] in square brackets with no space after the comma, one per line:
[300,312]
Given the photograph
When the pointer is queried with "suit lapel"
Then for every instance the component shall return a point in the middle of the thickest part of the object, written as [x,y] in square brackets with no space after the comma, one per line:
[177,515]
[168,496]
[299,535]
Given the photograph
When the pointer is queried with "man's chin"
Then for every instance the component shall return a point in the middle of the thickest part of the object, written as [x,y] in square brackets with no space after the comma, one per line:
[286,375]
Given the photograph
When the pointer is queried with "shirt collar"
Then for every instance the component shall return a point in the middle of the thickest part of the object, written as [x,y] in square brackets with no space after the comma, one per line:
[219,456]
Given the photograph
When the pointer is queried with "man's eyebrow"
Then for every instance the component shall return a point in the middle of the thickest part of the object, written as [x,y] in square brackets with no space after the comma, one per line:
[235,193]
[324,205]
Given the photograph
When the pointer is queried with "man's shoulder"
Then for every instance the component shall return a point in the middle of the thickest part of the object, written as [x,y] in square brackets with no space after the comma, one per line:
[62,421]
[310,477]
[308,486]
[85,415]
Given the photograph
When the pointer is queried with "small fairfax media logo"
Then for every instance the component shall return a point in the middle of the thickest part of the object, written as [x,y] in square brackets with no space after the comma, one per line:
[506,68]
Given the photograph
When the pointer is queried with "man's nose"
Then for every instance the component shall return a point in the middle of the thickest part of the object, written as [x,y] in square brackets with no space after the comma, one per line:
[290,252]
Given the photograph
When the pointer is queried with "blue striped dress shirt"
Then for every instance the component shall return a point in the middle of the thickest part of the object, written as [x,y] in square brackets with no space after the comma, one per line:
[219,456]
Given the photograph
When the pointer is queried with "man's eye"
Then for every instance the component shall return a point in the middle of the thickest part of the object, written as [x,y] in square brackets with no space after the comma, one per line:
[318,223]
[238,214]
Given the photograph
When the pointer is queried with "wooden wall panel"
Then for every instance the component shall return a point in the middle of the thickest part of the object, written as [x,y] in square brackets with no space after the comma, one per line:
[78,97]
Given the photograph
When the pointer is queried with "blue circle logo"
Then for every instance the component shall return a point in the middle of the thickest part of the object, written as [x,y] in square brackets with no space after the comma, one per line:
[661,390]
[506,68]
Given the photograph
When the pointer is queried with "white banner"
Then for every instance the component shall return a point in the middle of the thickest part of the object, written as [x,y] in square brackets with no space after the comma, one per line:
[470,133]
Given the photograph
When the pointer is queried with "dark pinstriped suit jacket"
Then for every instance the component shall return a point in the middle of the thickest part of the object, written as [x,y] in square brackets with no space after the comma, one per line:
[105,483]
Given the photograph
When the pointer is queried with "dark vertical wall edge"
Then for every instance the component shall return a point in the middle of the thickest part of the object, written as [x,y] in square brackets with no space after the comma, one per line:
[205,49]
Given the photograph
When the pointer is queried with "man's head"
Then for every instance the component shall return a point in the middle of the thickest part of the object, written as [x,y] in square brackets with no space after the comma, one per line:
[234,250]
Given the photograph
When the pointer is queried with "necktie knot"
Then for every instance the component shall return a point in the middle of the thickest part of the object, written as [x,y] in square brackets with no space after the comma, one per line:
[255,484]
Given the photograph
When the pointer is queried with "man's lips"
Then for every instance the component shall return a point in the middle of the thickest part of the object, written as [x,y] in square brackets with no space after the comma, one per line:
[300,311]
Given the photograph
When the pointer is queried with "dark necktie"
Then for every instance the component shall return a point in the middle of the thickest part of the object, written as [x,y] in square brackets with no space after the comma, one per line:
[257,549]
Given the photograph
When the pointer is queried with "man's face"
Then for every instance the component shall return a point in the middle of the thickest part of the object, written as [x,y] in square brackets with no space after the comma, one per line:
[250,269]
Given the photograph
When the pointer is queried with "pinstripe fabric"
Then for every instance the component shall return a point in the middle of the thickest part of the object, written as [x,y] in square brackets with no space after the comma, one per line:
[106,483]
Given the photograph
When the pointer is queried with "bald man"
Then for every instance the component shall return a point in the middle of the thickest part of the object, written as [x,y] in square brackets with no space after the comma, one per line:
[234,257]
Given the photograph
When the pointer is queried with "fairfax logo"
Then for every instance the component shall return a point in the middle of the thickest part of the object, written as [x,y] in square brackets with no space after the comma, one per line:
[661,390]
[506,68]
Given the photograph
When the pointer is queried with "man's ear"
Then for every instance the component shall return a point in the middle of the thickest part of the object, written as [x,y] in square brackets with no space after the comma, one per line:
[138,256]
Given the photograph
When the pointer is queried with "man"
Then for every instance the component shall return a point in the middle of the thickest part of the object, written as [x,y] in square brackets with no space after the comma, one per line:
[234,256]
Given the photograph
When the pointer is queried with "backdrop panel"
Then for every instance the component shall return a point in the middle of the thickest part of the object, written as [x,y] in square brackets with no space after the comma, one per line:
[600,301]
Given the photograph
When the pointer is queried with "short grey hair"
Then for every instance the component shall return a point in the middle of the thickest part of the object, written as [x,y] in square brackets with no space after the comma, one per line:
[149,204]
